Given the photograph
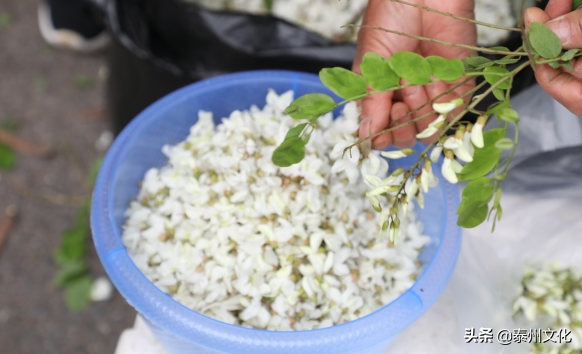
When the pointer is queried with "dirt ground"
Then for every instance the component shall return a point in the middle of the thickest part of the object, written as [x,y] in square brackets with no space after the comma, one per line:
[57,98]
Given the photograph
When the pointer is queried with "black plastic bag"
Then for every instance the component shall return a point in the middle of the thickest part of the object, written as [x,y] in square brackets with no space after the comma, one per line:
[161,45]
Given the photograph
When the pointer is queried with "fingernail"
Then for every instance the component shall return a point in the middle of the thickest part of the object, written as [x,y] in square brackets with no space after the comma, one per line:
[560,27]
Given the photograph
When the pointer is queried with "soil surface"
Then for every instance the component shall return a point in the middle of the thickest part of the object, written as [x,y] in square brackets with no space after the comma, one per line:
[57,98]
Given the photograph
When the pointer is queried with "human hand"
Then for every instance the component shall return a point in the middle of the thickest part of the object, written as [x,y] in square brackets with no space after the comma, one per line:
[562,84]
[379,110]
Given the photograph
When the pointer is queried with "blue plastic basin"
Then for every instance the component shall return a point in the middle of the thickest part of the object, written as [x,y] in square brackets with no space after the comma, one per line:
[181,330]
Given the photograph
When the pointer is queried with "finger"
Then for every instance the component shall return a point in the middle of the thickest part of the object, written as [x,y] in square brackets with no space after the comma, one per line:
[557,8]
[534,14]
[416,96]
[405,136]
[568,28]
[376,117]
[562,86]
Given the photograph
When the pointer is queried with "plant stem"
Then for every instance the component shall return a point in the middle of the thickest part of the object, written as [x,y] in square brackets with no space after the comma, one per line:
[448,14]
[450,44]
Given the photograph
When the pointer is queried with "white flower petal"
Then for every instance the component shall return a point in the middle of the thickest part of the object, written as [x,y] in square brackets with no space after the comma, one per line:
[435,153]
[477,135]
[448,172]
[396,154]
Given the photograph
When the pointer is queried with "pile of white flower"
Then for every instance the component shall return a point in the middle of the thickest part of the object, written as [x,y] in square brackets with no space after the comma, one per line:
[327,16]
[227,233]
[551,297]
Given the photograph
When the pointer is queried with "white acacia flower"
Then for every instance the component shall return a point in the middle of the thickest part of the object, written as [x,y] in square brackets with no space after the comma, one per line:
[447,107]
[427,178]
[396,154]
[467,142]
[458,148]
[477,135]
[374,165]
[431,129]
[448,170]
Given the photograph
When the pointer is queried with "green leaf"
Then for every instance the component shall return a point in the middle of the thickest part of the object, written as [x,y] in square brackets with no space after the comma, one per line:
[7,158]
[268,5]
[446,69]
[9,124]
[504,144]
[497,107]
[576,4]
[94,171]
[295,132]
[69,272]
[485,158]
[411,67]
[310,106]
[499,93]
[494,73]
[5,19]
[83,82]
[555,64]
[544,41]
[378,73]
[473,215]
[506,60]
[480,189]
[476,63]
[343,82]
[508,115]
[77,293]
[291,151]
[501,49]
[569,55]
[72,246]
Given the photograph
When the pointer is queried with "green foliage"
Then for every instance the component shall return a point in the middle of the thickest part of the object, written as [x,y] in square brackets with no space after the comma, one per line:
[9,124]
[310,106]
[5,20]
[77,293]
[494,74]
[412,67]
[504,144]
[508,115]
[378,73]
[7,158]
[69,272]
[343,82]
[290,152]
[569,55]
[485,158]
[448,70]
[73,275]
[41,84]
[83,82]
[268,5]
[473,208]
[575,4]
[381,74]
[476,63]
[544,41]
[499,93]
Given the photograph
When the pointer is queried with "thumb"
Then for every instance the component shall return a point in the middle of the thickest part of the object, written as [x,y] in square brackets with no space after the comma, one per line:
[568,28]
